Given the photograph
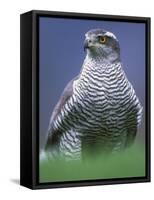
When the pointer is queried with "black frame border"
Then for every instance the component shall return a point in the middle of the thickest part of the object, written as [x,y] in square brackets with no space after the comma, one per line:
[32,180]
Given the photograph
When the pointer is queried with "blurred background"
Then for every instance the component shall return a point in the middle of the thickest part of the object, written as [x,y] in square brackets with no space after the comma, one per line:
[61,57]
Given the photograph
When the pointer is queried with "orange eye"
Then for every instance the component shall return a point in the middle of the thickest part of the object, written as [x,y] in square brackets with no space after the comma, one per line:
[102,39]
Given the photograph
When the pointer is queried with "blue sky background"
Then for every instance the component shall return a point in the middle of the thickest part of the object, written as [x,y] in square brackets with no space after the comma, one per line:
[61,57]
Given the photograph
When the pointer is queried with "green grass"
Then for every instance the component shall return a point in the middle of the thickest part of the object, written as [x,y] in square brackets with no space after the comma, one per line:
[130,163]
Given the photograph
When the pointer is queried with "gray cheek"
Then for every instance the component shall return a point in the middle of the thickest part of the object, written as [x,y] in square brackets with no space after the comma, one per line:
[107,49]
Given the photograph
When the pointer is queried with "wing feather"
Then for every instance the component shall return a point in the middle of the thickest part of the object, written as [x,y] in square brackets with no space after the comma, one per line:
[53,136]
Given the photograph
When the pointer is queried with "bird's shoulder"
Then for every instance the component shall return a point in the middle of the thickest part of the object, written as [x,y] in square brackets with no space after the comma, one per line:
[66,94]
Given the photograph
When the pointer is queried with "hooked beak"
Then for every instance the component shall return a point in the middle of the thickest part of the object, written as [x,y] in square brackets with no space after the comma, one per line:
[86,44]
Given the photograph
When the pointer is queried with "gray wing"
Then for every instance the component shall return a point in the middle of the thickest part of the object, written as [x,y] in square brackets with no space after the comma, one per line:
[53,135]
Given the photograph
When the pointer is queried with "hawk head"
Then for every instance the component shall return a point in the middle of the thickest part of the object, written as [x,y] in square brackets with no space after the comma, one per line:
[102,44]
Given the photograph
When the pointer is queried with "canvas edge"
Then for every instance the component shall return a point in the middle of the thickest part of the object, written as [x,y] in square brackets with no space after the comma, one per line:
[34,142]
[25,99]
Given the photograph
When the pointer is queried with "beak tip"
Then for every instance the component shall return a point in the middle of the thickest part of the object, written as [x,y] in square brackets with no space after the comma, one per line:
[86,45]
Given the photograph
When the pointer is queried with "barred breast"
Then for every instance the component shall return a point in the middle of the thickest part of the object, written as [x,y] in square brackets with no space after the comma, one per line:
[105,108]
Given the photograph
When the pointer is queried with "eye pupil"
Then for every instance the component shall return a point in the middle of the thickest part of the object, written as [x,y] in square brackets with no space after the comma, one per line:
[102,39]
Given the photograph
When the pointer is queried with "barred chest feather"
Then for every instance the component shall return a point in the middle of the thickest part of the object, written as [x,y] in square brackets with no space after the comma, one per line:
[103,99]
[100,92]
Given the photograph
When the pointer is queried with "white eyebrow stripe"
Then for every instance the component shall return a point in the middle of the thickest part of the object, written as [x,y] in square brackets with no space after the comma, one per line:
[89,36]
[109,34]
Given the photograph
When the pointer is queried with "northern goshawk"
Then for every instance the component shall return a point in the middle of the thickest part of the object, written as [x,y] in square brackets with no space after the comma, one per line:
[98,111]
